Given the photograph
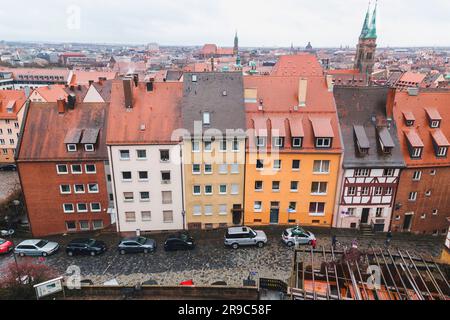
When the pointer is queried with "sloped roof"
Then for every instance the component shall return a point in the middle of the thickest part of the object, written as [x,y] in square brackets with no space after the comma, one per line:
[297,65]
[8,96]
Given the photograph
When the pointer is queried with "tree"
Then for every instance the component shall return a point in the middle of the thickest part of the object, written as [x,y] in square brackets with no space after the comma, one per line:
[16,282]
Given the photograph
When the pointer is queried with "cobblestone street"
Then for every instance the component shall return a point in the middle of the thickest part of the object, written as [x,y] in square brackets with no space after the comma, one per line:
[210,261]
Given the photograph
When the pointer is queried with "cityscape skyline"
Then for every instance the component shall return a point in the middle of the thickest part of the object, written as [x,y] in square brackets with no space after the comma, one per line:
[182,24]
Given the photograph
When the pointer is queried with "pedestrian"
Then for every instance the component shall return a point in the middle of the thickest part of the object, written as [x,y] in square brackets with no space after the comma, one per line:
[388,238]
[313,243]
[334,241]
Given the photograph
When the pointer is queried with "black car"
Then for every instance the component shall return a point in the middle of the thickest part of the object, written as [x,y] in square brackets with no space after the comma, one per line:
[8,167]
[85,247]
[136,245]
[180,241]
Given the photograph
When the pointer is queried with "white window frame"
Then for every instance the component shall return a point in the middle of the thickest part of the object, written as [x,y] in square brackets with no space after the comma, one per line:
[208,193]
[416,153]
[210,146]
[122,158]
[61,190]
[277,161]
[193,190]
[226,189]
[144,199]
[325,143]
[262,186]
[97,228]
[412,197]
[210,171]
[73,172]
[234,186]
[141,158]
[319,184]
[72,147]
[351,191]
[199,168]
[206,118]
[222,166]
[196,143]
[378,191]
[59,172]
[234,168]
[208,210]
[294,190]
[68,211]
[90,172]
[75,188]
[221,145]
[414,178]
[260,142]
[126,180]
[93,184]
[125,198]
[260,207]
[322,167]
[442,151]
[435,123]
[143,179]
[96,210]
[278,142]
[197,212]
[221,211]
[297,145]
[82,211]
[89,147]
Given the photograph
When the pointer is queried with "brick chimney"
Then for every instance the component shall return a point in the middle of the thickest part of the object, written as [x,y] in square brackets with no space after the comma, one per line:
[61,103]
[128,93]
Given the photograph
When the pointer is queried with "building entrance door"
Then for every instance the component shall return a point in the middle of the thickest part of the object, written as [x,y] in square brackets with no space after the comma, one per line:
[407,222]
[365,216]
[274,212]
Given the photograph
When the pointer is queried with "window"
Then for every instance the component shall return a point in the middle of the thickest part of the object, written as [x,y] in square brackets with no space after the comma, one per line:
[89,147]
[62,169]
[428,193]
[275,186]
[260,142]
[389,191]
[194,78]
[223,145]
[412,196]
[76,169]
[417,175]
[416,152]
[82,207]
[143,175]
[5,151]
[277,164]
[442,152]
[11,141]
[362,172]
[64,188]
[130,216]
[435,212]
[196,169]
[316,207]
[206,118]
[208,189]
[423,216]
[128,196]
[259,164]
[9,131]
[165,177]
[297,142]
[195,146]
[258,186]
[435,124]
[235,145]
[208,210]
[96,207]
[144,196]
[351,191]
[321,166]
[97,224]
[166,197]
[379,191]
[90,168]
[71,147]
[223,209]
[196,190]
[146,216]
[319,187]
[365,191]
[323,143]
[141,154]
[124,154]
[257,206]
[294,186]
[71,226]
[223,168]
[234,168]
[234,189]
[208,146]
[292,207]
[164,155]
[223,189]
[278,142]
[167,216]
[351,211]
[93,188]
[208,169]
[379,212]
[68,207]
[433,172]
[388,172]
[79,188]
[295,165]
[197,210]
[2,141]
[126,176]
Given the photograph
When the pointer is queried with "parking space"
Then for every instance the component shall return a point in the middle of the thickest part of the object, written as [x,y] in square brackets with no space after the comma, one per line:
[210,261]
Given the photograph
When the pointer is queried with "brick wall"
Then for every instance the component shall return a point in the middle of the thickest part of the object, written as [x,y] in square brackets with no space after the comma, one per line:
[40,183]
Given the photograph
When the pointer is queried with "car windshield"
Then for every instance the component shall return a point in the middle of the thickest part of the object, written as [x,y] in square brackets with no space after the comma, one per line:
[184,236]
[298,231]
[91,242]
[142,240]
[41,243]
[2,241]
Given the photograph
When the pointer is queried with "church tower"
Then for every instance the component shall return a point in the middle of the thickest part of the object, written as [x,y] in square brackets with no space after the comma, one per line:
[236,45]
[365,51]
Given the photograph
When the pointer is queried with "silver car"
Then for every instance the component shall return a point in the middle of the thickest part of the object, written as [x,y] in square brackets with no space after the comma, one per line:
[36,247]
[297,235]
[244,236]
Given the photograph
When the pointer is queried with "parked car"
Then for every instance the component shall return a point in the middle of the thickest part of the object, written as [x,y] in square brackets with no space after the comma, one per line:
[36,247]
[85,247]
[6,246]
[180,241]
[137,244]
[297,235]
[244,236]
[8,167]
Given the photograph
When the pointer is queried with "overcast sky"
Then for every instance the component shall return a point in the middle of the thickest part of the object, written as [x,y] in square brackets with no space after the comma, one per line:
[325,23]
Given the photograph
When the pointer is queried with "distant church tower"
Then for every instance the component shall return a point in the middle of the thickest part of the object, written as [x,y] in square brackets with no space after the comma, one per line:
[236,45]
[365,51]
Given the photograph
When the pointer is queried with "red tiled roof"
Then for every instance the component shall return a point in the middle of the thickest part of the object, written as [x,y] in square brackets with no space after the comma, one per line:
[52,93]
[159,111]
[412,77]
[298,65]
[6,98]
[414,139]
[83,77]
[322,127]
[440,139]
[433,114]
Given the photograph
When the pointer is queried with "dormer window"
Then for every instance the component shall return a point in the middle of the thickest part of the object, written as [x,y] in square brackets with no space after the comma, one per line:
[89,147]
[194,78]
[416,153]
[260,142]
[409,118]
[435,124]
[206,118]
[434,117]
[323,143]
[71,147]
[297,142]
[442,152]
[409,123]
[278,142]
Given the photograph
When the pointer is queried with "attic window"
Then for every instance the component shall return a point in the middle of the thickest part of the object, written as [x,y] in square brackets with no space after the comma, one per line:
[297,142]
[224,93]
[434,117]
[435,124]
[194,78]
[71,147]
[206,118]
[89,147]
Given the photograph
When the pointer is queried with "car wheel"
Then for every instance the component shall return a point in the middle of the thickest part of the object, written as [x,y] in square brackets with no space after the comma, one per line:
[44,254]
[122,252]
[290,244]
[260,244]
[93,253]
[70,253]
[235,246]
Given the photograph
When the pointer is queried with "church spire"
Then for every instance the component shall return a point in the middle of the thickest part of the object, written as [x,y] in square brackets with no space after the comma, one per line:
[373,25]
[236,44]
[365,28]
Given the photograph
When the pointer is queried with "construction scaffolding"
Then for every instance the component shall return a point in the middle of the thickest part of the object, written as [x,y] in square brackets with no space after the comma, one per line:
[372,274]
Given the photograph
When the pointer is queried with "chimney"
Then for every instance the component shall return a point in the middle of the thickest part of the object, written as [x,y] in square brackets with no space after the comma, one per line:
[390,103]
[91,82]
[330,83]
[61,103]
[101,80]
[150,86]
[302,89]
[136,79]
[128,93]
